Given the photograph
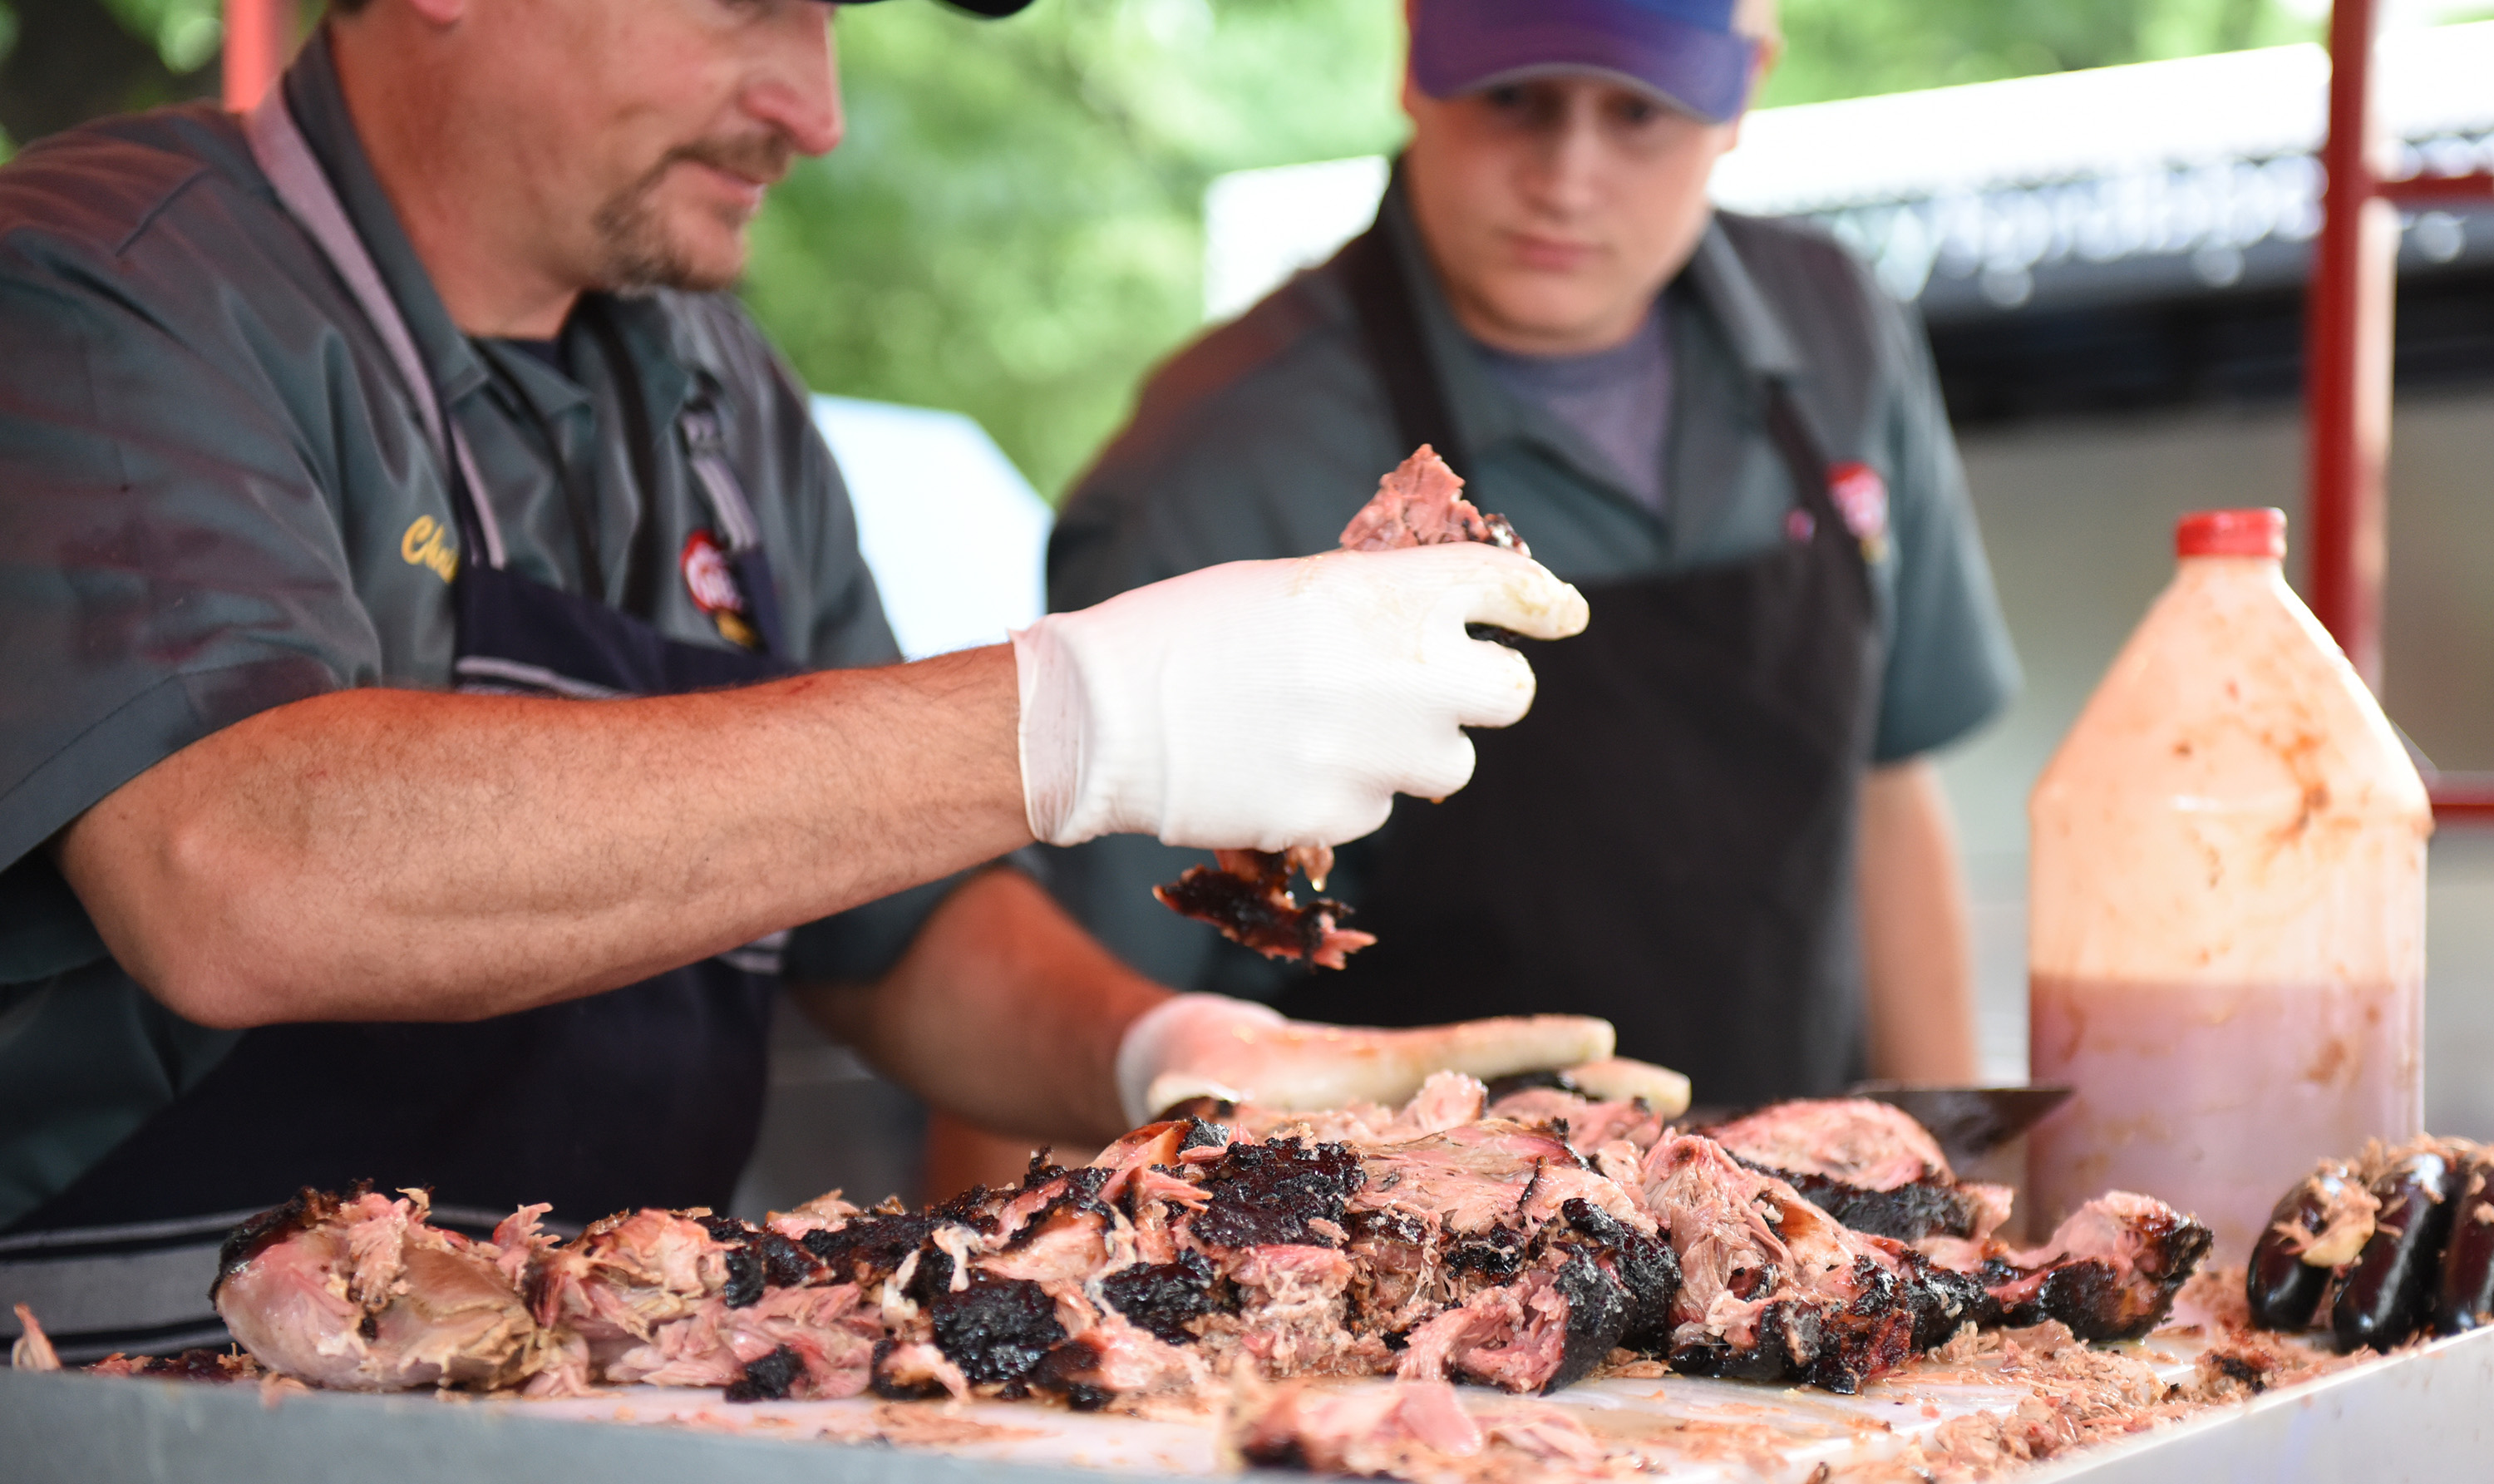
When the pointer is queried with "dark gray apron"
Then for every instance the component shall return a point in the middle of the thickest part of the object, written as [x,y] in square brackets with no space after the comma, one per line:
[1666,840]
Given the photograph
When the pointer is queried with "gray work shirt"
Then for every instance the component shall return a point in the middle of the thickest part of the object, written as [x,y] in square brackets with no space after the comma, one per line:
[218,499]
[1618,400]
[1261,439]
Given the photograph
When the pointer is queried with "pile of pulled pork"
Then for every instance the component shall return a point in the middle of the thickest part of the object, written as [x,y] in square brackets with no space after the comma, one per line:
[1522,1242]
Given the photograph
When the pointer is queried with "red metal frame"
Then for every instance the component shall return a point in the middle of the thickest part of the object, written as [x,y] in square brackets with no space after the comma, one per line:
[2347,368]
[259,38]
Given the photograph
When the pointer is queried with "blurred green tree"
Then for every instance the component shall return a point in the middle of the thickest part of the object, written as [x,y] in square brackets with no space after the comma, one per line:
[65,61]
[1012,226]
[1851,49]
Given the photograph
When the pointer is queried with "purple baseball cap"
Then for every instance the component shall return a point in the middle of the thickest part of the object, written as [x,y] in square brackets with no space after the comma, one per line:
[1686,51]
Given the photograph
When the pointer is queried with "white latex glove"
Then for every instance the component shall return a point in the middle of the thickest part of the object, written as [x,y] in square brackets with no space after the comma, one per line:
[1197,1046]
[1262,705]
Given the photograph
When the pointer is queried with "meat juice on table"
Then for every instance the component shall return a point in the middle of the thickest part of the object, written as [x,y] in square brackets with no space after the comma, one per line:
[2226,904]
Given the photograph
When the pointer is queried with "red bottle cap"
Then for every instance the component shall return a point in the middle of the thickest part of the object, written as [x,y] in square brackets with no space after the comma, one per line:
[2231,534]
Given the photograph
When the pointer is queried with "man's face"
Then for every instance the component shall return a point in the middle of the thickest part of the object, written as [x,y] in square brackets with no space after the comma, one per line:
[645,131]
[1555,209]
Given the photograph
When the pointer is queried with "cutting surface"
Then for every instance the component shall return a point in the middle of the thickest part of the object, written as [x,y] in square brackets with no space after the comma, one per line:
[2422,1417]
[1696,1427]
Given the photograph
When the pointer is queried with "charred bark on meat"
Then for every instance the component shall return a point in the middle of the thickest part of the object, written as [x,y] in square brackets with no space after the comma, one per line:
[996,1331]
[305,1209]
[1165,1297]
[762,1259]
[769,1379]
[1267,1195]
[2096,1300]
[1081,1195]
[1921,1208]
[1598,1307]
[1256,908]
[870,1248]
[1943,1302]
[1072,1371]
[1787,1342]
[1643,1266]
[215,1367]
[1495,1253]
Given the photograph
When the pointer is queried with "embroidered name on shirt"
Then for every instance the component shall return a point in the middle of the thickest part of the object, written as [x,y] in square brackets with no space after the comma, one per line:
[426,545]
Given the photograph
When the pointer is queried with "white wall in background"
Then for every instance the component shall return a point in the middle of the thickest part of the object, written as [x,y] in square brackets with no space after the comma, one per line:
[2194,152]
[956,536]
[1260,226]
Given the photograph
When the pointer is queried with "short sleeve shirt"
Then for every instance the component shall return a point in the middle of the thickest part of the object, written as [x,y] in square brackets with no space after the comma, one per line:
[1261,439]
[216,497]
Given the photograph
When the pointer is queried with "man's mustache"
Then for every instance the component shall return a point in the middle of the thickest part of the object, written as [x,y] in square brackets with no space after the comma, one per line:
[760,157]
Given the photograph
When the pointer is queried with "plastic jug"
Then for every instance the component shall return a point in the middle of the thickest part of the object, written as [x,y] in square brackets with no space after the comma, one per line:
[2226,929]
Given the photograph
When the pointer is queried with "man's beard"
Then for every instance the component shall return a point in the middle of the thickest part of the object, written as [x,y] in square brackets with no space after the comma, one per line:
[638,253]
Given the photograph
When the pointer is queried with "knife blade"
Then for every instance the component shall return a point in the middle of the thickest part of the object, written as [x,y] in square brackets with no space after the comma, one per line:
[1968,1122]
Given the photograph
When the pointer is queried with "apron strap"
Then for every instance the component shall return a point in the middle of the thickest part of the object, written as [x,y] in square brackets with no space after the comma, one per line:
[285,158]
[740,534]
[1805,458]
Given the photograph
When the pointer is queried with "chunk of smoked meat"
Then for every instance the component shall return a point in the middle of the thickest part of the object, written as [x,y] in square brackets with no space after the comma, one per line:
[1247,894]
[1422,503]
[996,1331]
[769,1377]
[1163,1296]
[1267,1195]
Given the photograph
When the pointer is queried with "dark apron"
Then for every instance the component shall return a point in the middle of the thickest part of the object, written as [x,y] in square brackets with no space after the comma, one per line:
[648,1095]
[1666,840]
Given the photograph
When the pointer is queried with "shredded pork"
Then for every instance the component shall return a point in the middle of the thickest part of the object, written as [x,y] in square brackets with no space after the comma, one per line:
[1522,1245]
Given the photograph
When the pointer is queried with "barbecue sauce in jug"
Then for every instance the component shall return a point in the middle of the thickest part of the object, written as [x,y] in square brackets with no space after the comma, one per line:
[2226,941]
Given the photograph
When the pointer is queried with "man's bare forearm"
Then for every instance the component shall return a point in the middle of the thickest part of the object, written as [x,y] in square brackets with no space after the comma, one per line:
[1004,1012]
[402,855]
[1917,956]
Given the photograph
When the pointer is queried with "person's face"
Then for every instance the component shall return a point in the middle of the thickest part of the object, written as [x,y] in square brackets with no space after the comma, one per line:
[647,131]
[1555,209]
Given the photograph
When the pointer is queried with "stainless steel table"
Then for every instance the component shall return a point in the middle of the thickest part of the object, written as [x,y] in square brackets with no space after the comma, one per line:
[2426,1416]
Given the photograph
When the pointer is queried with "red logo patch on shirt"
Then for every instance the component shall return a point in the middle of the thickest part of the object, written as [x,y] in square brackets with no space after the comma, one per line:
[709,578]
[1860,497]
[716,591]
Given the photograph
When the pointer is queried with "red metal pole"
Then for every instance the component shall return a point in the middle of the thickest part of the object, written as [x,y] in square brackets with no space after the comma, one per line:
[259,38]
[2346,355]
[2423,190]
[2346,370]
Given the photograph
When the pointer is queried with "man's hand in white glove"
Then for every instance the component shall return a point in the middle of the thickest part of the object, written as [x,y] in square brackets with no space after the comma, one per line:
[1208,1045]
[1261,705]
